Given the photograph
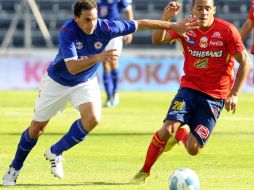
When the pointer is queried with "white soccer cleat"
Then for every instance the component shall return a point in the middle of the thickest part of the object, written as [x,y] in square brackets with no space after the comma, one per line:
[115,100]
[10,176]
[56,163]
[108,104]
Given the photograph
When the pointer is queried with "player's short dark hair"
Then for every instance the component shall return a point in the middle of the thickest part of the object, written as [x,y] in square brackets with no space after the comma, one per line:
[84,5]
[193,2]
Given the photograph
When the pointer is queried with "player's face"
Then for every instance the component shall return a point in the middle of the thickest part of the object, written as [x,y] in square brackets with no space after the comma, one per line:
[87,21]
[204,10]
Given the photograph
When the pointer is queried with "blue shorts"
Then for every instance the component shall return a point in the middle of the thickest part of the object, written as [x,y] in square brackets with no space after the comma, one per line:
[196,109]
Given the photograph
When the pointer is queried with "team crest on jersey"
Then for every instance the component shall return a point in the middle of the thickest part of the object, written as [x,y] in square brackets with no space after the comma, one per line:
[202,131]
[98,45]
[201,63]
[78,45]
[203,42]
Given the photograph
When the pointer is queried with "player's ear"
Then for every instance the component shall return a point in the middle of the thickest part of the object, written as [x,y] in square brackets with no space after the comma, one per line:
[214,11]
[75,18]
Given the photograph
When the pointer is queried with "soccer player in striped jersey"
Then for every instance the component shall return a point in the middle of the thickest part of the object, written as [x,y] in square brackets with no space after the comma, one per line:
[112,9]
[71,77]
[207,84]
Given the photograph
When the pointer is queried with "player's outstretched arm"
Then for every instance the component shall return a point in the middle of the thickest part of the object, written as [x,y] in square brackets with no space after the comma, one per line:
[78,65]
[188,24]
[243,59]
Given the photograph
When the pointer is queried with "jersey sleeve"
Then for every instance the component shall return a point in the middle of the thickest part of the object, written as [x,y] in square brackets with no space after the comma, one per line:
[120,28]
[234,41]
[66,45]
[173,35]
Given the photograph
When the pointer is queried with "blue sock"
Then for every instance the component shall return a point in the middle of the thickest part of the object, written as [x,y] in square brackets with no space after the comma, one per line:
[24,147]
[75,135]
[107,81]
[115,79]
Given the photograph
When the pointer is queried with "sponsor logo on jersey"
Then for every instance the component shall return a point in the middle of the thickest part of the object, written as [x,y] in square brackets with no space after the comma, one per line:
[216,35]
[78,45]
[202,131]
[202,54]
[203,42]
[216,43]
[201,63]
[191,33]
[190,41]
[98,45]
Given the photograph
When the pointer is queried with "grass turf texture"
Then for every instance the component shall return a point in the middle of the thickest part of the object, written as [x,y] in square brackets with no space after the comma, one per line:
[116,149]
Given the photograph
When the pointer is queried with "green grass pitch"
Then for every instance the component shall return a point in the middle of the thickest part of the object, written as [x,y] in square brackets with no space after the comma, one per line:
[115,150]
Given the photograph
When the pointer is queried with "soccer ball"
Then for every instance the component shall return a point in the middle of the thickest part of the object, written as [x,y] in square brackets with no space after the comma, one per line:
[184,179]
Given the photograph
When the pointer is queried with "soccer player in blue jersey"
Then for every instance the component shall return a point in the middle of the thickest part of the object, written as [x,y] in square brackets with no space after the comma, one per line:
[71,77]
[112,10]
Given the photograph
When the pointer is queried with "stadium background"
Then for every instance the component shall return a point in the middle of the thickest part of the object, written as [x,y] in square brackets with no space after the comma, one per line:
[27,47]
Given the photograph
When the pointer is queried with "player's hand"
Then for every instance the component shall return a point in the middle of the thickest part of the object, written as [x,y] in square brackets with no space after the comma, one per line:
[108,56]
[128,39]
[171,10]
[188,24]
[231,103]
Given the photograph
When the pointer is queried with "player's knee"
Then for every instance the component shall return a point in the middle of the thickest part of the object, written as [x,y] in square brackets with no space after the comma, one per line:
[36,129]
[166,133]
[193,151]
[91,121]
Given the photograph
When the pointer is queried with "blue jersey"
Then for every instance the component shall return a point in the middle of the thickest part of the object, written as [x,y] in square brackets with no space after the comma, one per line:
[111,9]
[75,44]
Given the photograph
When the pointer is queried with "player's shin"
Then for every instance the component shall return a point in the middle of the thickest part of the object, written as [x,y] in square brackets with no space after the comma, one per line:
[155,149]
[107,81]
[75,135]
[24,147]
[115,77]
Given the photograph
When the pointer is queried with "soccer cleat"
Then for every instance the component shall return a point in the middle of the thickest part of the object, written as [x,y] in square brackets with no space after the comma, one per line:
[170,144]
[56,163]
[10,176]
[115,100]
[139,178]
[108,104]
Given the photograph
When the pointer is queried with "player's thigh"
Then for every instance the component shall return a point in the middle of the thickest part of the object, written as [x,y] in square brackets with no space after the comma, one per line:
[52,98]
[87,100]
[205,116]
[193,146]
[180,108]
